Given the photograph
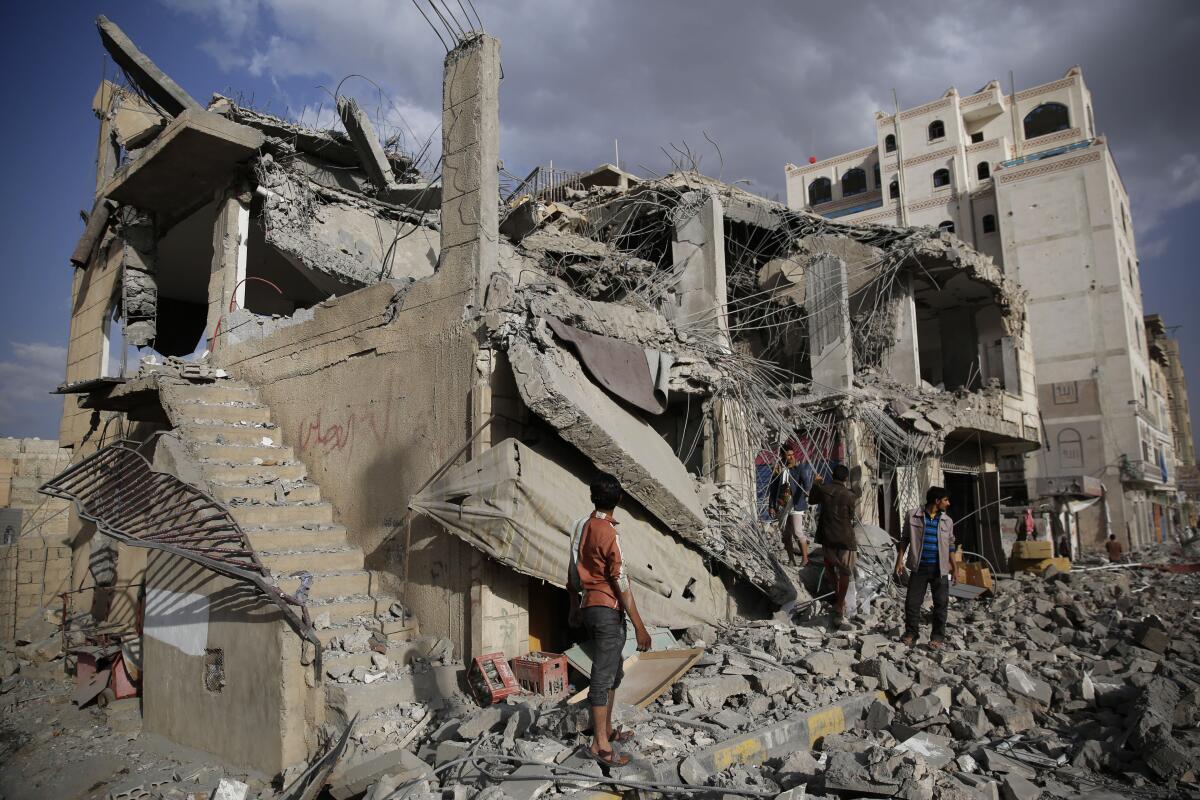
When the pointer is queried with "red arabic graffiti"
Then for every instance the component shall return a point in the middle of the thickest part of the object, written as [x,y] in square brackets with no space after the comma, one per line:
[337,435]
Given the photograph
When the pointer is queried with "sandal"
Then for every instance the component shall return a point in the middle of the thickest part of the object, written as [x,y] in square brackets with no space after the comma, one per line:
[908,639]
[620,735]
[936,644]
[607,758]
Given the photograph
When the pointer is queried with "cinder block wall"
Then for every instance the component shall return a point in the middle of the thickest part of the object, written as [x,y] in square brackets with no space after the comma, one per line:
[37,566]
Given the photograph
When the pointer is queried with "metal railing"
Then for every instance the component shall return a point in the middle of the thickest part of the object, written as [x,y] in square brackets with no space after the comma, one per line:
[547,184]
[117,489]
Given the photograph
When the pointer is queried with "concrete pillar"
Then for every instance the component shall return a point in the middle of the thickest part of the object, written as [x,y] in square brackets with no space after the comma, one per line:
[227,278]
[470,162]
[830,346]
[698,255]
[139,288]
[903,363]
[1011,363]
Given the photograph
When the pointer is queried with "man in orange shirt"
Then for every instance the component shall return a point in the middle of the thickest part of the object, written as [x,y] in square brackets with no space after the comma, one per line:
[601,597]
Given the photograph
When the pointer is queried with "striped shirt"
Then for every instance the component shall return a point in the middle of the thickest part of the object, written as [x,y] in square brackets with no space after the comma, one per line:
[929,547]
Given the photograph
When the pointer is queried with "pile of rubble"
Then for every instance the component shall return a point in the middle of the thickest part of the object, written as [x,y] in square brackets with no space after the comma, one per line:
[1083,685]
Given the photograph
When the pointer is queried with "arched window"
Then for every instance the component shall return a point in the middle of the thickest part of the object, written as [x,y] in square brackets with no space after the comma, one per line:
[1046,118]
[989,223]
[1070,448]
[947,226]
[889,143]
[937,130]
[820,191]
[983,170]
[878,181]
[941,178]
[854,181]
[894,188]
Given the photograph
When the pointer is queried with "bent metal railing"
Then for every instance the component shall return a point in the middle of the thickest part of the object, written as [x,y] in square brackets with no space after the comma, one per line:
[117,489]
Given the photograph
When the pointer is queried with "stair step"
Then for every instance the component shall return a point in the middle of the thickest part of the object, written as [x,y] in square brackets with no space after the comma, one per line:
[286,561]
[215,393]
[219,472]
[263,515]
[264,492]
[231,434]
[265,539]
[364,699]
[244,454]
[342,609]
[225,413]
[328,584]
[401,654]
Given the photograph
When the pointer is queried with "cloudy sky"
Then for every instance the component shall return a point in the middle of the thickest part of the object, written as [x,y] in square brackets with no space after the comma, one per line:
[768,82]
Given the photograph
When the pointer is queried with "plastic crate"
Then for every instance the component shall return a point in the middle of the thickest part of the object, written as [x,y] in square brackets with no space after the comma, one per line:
[542,673]
[491,680]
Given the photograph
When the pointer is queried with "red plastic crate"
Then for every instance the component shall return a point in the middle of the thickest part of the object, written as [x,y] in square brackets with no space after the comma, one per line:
[491,680]
[542,673]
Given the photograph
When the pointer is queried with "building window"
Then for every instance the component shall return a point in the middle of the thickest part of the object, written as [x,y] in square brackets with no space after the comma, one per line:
[878,181]
[1070,448]
[1091,122]
[854,182]
[1130,263]
[976,137]
[1046,119]
[820,191]
[894,189]
[1066,393]
[937,130]
[983,170]
[989,223]
[1124,219]
[889,143]
[941,178]
[947,226]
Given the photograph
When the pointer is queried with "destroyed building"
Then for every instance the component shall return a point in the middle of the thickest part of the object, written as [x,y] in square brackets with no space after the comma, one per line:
[372,398]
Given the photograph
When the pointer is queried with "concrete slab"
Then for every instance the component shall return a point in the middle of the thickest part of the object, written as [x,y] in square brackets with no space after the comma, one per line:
[193,157]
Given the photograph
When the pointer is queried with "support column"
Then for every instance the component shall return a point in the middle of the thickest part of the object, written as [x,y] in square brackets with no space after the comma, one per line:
[227,278]
[139,287]
[698,255]
[830,346]
[903,363]
[470,162]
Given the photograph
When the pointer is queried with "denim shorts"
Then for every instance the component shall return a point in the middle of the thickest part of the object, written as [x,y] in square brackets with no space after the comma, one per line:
[606,628]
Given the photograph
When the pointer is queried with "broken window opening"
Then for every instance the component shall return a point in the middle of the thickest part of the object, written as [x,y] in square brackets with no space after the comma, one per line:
[989,223]
[937,130]
[976,137]
[894,189]
[889,143]
[983,170]
[820,191]
[946,225]
[214,670]
[875,172]
[185,254]
[854,181]
[941,177]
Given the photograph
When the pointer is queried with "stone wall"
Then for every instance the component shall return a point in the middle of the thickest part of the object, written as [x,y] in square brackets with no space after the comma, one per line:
[35,564]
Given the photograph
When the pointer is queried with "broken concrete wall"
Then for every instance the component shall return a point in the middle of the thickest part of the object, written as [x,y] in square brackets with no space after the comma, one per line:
[222,670]
[92,293]
[336,238]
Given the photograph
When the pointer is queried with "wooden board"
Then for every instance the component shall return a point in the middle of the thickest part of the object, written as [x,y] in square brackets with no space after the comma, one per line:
[648,675]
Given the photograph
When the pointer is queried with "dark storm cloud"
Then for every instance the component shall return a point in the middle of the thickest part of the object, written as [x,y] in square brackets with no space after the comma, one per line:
[769,82]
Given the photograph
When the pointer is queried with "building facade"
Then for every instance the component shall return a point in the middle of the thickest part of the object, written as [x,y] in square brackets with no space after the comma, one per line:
[1171,386]
[1028,180]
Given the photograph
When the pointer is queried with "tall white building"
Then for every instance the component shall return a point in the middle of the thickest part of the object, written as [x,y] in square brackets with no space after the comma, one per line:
[1029,181]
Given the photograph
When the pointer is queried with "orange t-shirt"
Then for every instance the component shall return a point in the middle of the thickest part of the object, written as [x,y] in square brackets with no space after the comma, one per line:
[599,562]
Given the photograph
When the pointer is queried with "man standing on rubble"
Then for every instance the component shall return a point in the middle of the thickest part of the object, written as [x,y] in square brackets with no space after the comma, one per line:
[928,544]
[835,534]
[601,597]
[1114,548]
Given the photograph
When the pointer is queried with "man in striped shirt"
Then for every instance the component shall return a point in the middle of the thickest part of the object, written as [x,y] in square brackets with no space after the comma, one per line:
[927,546]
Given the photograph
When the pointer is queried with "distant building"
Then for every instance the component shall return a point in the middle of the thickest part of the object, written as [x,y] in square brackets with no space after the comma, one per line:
[1171,386]
[1030,182]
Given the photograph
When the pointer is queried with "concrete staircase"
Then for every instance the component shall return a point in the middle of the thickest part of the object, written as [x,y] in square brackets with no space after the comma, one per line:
[229,432]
